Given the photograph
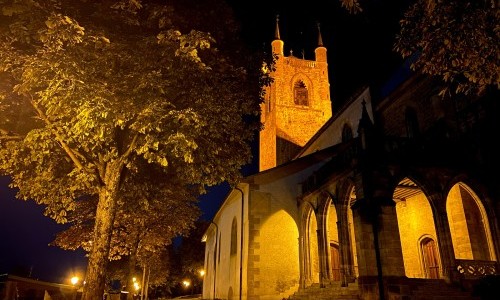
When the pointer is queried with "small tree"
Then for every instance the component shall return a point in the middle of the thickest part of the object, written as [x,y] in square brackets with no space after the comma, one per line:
[190,256]
[149,217]
[93,93]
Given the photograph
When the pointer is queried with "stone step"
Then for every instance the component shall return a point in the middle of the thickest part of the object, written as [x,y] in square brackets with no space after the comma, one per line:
[325,297]
[420,290]
[443,295]
[330,291]
[439,290]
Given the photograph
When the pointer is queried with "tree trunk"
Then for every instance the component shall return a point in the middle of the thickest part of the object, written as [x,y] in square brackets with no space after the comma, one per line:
[131,269]
[145,291]
[95,278]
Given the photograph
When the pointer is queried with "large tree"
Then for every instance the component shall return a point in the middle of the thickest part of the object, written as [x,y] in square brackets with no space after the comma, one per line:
[95,92]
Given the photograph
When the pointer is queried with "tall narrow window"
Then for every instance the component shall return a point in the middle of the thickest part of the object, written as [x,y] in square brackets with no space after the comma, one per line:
[346,133]
[218,258]
[412,130]
[234,237]
[300,93]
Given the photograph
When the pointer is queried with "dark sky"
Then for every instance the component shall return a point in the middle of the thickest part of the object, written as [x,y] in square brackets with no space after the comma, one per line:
[24,237]
[359,47]
[359,52]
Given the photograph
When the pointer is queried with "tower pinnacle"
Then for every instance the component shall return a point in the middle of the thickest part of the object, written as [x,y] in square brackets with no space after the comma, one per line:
[277,44]
[320,39]
[277,30]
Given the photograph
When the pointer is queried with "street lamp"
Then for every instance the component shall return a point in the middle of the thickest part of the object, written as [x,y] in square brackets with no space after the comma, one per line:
[136,285]
[187,284]
[74,280]
[77,286]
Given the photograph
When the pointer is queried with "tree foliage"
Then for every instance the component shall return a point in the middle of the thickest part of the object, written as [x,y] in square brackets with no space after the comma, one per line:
[151,213]
[455,40]
[96,94]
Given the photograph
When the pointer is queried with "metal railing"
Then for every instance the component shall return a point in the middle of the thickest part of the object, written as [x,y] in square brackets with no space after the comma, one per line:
[477,268]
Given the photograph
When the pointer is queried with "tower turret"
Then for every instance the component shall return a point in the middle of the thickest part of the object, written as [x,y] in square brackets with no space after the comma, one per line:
[296,104]
[320,50]
[277,44]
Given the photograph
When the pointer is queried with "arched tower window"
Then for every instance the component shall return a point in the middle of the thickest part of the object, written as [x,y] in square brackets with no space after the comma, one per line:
[234,236]
[300,93]
[412,129]
[346,133]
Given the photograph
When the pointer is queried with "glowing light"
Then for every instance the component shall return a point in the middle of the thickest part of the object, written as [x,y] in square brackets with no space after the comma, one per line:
[74,280]
[186,283]
[136,283]
[202,272]
[265,68]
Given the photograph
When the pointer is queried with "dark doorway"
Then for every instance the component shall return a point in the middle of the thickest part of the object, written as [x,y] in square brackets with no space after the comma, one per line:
[334,250]
[429,253]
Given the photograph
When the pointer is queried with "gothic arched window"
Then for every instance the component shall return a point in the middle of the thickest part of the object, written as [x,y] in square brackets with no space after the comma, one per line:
[300,93]
[234,237]
[412,128]
[346,133]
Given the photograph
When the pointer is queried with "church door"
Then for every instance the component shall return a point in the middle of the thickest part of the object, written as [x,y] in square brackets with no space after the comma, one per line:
[431,264]
[335,262]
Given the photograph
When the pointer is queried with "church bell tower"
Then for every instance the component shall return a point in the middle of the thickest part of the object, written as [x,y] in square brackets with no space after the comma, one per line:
[296,104]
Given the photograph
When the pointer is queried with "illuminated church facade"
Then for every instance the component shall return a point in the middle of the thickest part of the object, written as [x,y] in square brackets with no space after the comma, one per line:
[386,199]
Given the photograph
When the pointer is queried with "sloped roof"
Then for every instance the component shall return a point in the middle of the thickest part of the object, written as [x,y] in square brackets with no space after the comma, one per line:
[334,117]
[296,165]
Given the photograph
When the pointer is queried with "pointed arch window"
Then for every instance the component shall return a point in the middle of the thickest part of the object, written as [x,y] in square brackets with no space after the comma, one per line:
[234,237]
[346,133]
[300,93]
[412,128]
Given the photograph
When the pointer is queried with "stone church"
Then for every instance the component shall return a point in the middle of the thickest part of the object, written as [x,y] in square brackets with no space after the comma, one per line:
[393,197]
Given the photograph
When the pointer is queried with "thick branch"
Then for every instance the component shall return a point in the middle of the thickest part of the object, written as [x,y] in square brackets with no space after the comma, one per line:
[73,155]
[8,135]
[130,147]
[11,137]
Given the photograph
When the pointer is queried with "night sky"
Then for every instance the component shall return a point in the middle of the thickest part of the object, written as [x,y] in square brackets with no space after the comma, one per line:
[359,53]
[25,234]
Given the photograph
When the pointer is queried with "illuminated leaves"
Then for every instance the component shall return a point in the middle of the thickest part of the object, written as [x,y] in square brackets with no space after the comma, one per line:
[189,44]
[60,30]
[352,6]
[94,99]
